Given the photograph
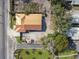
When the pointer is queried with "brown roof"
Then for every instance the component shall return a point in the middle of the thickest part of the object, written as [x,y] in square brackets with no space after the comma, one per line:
[28,22]
[24,28]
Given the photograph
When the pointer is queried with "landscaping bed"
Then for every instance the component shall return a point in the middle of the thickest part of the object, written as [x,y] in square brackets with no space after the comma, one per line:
[34,54]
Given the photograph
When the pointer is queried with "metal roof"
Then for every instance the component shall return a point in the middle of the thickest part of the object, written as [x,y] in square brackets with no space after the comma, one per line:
[74,33]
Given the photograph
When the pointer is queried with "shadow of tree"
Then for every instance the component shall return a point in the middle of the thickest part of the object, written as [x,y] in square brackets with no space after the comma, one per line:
[71,45]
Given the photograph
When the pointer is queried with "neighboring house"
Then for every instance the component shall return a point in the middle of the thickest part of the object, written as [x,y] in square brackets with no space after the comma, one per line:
[28,22]
[74,33]
[73,2]
[75,17]
[74,30]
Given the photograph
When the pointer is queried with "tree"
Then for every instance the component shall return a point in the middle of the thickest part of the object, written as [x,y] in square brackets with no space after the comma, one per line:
[60,41]
[61,20]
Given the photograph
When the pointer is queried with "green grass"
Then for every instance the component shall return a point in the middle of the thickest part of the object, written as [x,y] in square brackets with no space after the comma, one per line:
[44,54]
[72,57]
[68,52]
[18,39]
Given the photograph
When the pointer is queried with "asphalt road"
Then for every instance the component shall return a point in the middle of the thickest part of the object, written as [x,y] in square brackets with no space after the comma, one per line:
[2,47]
[3,29]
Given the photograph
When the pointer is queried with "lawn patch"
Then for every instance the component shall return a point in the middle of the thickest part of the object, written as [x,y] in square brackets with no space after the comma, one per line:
[38,54]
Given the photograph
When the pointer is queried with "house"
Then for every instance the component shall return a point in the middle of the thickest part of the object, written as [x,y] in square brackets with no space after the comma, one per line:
[74,33]
[75,17]
[74,30]
[28,22]
[73,2]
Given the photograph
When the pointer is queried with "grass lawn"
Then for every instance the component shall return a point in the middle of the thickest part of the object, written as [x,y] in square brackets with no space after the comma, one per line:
[34,54]
[68,52]
[72,57]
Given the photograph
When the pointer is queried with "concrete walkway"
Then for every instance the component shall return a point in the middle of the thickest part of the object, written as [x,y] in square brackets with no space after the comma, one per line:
[29,46]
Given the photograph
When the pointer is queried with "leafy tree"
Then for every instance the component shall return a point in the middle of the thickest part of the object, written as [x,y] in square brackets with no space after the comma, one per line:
[60,41]
[61,20]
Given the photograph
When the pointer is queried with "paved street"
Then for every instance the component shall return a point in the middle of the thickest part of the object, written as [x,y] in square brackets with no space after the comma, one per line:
[5,18]
[1,32]
[3,29]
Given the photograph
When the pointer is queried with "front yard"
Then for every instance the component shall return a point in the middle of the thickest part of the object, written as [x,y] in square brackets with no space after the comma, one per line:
[34,54]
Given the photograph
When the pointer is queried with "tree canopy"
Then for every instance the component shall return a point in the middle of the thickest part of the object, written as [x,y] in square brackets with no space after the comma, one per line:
[62,20]
[60,41]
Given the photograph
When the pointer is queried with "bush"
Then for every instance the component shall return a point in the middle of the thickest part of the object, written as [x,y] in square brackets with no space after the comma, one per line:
[27,52]
[33,58]
[33,51]
[40,52]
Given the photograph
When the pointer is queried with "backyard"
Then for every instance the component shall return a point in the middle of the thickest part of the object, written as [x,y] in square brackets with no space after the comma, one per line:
[34,54]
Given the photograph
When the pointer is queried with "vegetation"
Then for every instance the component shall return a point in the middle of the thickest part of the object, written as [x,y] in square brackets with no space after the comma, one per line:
[36,55]
[31,7]
[68,52]
[61,18]
[72,57]
[12,15]
[12,21]
[18,39]
[59,41]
